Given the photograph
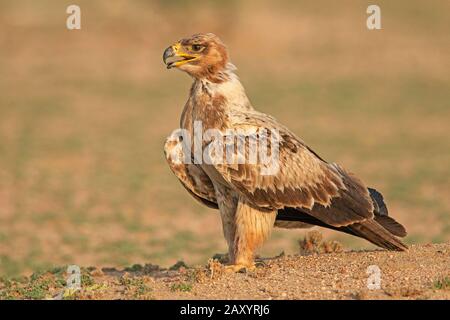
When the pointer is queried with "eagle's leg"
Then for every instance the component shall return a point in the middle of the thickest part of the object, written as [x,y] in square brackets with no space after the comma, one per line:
[244,227]
[253,227]
[227,202]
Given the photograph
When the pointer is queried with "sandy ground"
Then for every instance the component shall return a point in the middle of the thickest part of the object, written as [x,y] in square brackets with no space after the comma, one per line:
[421,273]
[409,275]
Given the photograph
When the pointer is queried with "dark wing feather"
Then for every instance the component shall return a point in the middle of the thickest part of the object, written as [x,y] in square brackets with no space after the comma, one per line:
[381,215]
[371,230]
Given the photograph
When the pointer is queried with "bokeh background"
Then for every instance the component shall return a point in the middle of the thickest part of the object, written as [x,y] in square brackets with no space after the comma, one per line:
[84,114]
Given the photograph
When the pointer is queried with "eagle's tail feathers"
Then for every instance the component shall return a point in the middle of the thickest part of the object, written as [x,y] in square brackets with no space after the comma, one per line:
[374,232]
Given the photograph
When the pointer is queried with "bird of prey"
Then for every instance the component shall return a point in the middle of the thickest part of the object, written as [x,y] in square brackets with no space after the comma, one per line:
[303,191]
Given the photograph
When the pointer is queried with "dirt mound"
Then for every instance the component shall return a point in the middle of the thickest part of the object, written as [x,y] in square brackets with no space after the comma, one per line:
[423,272]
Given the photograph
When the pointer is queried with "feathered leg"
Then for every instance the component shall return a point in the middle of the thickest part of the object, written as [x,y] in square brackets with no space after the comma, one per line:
[252,228]
[244,227]
[227,203]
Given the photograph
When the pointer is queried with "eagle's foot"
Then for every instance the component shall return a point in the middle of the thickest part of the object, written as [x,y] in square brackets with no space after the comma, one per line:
[240,268]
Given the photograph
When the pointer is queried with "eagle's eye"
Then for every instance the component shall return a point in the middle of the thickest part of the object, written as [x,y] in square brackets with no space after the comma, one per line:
[196,47]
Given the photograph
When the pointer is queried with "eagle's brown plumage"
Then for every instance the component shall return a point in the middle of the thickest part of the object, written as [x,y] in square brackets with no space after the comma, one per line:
[305,190]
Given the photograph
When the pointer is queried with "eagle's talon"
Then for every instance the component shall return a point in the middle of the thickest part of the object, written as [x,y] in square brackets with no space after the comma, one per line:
[260,264]
[239,268]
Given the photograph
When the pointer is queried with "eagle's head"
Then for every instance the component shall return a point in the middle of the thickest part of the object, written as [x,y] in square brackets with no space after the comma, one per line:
[201,56]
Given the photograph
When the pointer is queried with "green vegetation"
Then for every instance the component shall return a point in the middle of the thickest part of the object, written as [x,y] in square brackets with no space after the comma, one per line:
[136,287]
[39,285]
[442,284]
[182,286]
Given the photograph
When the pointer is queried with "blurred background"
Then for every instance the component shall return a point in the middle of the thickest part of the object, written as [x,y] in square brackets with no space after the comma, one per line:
[84,115]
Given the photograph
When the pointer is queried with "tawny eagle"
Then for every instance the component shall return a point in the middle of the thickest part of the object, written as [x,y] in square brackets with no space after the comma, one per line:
[305,190]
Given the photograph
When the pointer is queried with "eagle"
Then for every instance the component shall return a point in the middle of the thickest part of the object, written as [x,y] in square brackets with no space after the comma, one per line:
[302,189]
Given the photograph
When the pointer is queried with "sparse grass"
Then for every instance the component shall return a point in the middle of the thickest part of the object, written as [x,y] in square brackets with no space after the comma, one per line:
[442,284]
[182,286]
[51,284]
[39,285]
[136,287]
[86,279]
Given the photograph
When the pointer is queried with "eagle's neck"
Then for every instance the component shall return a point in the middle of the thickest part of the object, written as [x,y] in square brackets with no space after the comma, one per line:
[211,101]
[231,90]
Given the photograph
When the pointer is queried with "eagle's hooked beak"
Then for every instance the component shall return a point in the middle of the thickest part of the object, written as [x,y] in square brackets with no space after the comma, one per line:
[174,56]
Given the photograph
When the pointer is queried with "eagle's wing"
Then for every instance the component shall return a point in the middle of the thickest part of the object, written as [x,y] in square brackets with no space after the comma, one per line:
[302,179]
[191,176]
